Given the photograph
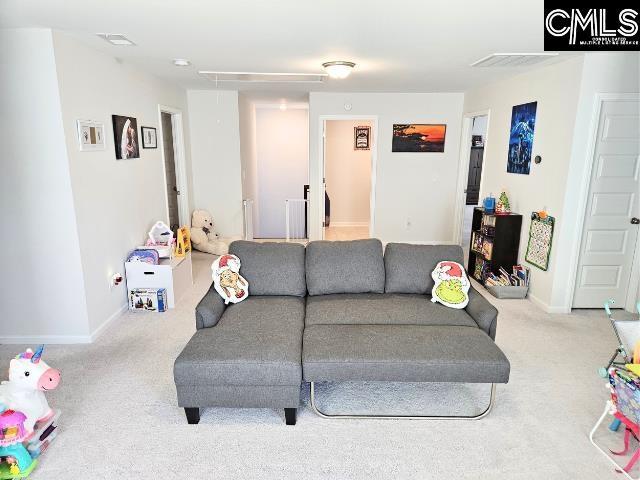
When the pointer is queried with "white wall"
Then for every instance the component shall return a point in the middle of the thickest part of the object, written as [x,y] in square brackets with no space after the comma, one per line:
[555,88]
[282,153]
[43,293]
[418,188]
[347,173]
[249,166]
[479,125]
[602,73]
[116,201]
[215,157]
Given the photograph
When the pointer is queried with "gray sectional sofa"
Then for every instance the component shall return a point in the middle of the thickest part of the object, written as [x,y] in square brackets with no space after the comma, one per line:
[331,312]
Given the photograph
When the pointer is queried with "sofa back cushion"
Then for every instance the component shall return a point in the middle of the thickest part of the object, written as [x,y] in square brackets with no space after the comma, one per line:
[271,268]
[408,267]
[356,266]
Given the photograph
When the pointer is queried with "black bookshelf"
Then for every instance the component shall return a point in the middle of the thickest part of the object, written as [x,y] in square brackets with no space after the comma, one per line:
[495,241]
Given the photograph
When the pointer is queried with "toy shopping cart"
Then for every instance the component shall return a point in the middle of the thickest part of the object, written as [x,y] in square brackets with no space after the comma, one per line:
[624,405]
[628,335]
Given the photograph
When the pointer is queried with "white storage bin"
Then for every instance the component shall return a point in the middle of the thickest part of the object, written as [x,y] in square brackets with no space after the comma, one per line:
[173,274]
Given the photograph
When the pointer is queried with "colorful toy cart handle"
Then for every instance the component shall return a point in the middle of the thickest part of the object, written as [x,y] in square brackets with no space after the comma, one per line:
[607,305]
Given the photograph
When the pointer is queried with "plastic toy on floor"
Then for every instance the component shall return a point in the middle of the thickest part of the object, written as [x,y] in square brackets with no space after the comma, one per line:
[624,384]
[17,463]
[27,423]
[29,378]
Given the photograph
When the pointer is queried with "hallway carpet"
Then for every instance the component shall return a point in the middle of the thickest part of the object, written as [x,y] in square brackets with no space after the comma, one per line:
[120,418]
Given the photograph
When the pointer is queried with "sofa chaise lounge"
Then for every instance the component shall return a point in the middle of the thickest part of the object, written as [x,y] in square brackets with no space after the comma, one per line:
[332,312]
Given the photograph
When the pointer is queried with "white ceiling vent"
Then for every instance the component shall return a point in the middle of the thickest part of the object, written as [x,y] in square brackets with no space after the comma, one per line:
[254,77]
[115,38]
[512,59]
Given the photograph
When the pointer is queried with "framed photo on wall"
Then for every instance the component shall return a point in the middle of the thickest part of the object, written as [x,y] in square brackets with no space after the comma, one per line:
[90,135]
[125,136]
[362,138]
[149,137]
[418,137]
[523,124]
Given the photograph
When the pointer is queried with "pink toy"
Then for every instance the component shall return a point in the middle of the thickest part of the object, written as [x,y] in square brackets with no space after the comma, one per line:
[29,378]
[12,427]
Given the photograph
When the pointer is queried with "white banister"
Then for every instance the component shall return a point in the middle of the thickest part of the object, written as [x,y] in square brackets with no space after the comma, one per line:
[295,214]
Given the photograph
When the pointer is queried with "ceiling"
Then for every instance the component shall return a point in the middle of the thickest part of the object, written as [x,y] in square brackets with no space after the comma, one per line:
[409,46]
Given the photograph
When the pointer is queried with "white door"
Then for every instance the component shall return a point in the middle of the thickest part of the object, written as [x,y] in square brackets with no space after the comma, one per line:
[611,226]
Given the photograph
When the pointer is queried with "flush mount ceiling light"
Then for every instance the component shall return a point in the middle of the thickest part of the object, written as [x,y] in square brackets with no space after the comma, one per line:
[338,69]
[181,62]
[116,39]
[512,59]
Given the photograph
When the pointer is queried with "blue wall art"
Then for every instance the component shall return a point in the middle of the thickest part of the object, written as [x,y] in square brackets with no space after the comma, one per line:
[523,123]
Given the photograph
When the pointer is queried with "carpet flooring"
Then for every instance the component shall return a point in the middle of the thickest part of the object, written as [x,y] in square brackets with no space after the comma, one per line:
[120,418]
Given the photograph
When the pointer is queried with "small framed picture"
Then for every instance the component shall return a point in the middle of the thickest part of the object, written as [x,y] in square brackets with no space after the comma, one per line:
[361,138]
[149,137]
[90,135]
[125,137]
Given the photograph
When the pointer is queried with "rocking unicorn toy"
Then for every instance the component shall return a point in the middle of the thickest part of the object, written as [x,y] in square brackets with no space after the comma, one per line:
[29,378]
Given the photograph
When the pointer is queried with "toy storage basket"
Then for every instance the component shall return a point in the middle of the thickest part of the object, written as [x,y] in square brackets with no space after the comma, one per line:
[624,405]
[625,396]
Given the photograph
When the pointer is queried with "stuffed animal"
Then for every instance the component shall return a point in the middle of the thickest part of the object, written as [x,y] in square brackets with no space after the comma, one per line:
[451,285]
[203,237]
[29,378]
[227,281]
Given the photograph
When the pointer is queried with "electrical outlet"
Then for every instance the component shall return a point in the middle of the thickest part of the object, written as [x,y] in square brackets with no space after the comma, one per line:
[115,280]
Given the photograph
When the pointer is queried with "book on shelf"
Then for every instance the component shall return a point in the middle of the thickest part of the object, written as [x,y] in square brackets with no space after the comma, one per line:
[487,248]
[477,242]
[519,277]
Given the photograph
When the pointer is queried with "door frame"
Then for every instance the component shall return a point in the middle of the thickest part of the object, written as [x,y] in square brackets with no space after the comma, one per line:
[583,197]
[374,161]
[463,168]
[180,163]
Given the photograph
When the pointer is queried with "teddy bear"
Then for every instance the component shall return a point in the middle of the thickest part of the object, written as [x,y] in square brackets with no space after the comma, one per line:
[203,237]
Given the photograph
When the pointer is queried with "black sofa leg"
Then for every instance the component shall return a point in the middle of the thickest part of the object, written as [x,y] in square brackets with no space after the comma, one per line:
[193,415]
[290,416]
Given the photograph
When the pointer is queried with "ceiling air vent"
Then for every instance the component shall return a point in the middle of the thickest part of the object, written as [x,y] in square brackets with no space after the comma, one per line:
[254,77]
[512,59]
[116,39]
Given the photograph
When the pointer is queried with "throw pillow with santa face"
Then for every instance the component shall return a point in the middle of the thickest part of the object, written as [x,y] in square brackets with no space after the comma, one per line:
[451,285]
[227,281]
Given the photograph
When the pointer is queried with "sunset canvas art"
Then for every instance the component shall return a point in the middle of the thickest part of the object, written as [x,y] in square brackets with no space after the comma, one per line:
[409,137]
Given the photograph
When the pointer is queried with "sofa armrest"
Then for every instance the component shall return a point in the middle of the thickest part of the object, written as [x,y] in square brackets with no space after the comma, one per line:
[209,310]
[485,314]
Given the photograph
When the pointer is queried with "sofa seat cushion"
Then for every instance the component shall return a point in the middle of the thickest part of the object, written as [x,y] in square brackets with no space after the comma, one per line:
[401,353]
[382,309]
[257,342]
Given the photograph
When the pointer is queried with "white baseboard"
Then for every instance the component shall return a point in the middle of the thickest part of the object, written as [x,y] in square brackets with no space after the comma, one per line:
[46,339]
[548,308]
[62,339]
[348,224]
[101,328]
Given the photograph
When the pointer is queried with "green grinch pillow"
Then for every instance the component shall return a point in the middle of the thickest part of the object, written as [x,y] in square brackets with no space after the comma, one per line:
[451,287]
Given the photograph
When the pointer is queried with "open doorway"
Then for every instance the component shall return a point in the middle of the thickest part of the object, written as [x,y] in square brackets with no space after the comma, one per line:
[274,148]
[171,143]
[474,152]
[348,173]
